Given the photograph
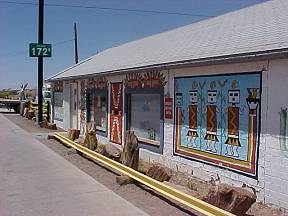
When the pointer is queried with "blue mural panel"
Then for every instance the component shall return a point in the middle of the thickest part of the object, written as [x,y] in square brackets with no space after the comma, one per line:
[217,119]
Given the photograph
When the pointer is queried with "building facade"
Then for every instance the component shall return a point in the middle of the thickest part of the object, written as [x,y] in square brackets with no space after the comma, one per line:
[222,117]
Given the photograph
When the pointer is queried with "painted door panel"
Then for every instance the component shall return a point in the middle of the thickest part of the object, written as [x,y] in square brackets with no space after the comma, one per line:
[116,112]
[73,105]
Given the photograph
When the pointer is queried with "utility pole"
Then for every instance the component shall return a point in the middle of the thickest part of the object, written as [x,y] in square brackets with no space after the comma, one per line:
[40,60]
[76,44]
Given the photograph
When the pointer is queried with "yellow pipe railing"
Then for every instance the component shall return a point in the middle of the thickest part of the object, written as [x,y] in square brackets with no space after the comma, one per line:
[185,199]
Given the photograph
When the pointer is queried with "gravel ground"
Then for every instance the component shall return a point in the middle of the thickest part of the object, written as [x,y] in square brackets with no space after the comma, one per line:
[139,195]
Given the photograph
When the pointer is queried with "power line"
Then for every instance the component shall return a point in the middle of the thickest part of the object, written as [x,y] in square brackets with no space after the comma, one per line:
[109,8]
[62,42]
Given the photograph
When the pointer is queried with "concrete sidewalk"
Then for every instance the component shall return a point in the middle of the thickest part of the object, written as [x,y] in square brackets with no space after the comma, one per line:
[34,180]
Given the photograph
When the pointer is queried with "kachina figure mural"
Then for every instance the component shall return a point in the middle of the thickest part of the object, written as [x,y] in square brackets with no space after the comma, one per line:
[217,120]
[233,113]
[192,133]
[211,118]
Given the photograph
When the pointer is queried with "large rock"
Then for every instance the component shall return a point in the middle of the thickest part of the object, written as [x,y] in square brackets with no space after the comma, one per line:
[31,114]
[130,156]
[52,126]
[73,133]
[160,173]
[111,151]
[124,180]
[80,140]
[50,136]
[44,123]
[233,199]
[131,151]
[90,139]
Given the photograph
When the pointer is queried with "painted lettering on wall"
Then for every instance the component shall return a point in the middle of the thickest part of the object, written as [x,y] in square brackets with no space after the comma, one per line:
[97,83]
[151,79]
[58,86]
[217,120]
[168,106]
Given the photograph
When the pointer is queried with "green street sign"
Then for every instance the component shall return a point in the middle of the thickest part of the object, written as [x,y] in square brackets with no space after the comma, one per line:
[40,50]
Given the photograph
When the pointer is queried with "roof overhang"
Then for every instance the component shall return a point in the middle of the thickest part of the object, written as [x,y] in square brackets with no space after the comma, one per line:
[218,60]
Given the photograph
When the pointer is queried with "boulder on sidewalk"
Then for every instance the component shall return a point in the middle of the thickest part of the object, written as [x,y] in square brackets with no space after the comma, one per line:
[43,124]
[51,126]
[80,140]
[73,133]
[31,114]
[90,139]
[46,124]
[124,180]
[111,151]
[233,199]
[130,156]
[159,172]
[50,136]
[131,151]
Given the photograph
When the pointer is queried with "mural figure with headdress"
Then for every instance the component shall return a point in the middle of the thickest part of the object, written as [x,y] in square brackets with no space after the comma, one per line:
[211,118]
[192,133]
[233,113]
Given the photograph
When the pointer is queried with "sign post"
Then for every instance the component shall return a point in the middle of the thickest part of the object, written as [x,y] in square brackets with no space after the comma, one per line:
[40,60]
[40,50]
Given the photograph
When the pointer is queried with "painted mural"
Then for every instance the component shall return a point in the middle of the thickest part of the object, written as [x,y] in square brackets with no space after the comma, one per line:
[217,120]
[151,79]
[116,112]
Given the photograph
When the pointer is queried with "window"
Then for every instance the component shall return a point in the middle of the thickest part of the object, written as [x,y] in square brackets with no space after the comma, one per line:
[58,106]
[145,117]
[98,111]
[58,99]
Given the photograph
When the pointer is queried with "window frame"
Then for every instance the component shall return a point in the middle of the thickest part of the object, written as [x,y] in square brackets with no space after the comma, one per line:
[95,93]
[145,143]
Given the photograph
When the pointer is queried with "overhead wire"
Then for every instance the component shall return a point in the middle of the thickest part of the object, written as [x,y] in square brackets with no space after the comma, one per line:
[99,8]
[109,8]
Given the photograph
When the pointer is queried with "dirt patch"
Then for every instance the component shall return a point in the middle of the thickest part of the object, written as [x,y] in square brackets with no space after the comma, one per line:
[139,195]
[28,125]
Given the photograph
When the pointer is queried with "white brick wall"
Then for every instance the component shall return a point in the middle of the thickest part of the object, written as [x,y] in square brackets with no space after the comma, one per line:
[276,161]
[272,182]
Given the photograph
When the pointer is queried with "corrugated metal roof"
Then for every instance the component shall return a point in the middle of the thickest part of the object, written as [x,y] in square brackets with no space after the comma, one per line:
[257,28]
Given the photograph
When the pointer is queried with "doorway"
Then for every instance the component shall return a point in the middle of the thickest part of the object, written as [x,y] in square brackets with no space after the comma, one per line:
[73,105]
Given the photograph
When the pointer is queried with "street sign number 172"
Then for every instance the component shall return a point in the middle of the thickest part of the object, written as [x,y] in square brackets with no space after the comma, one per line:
[40,50]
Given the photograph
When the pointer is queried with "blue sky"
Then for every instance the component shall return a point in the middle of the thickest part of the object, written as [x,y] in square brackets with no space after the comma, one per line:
[97,30]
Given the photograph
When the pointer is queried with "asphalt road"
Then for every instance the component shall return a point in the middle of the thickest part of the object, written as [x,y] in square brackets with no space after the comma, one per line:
[34,180]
